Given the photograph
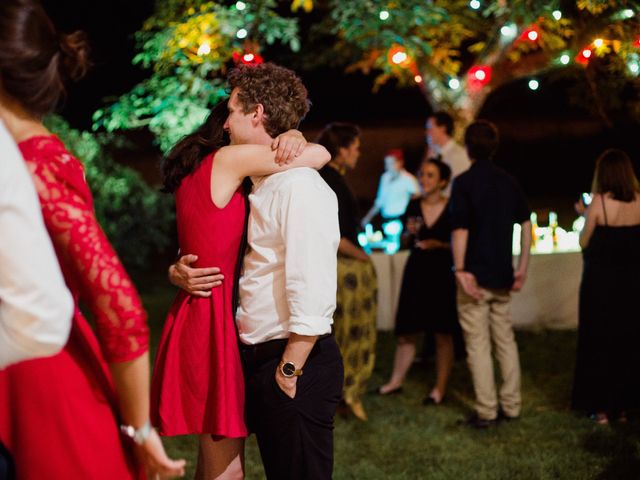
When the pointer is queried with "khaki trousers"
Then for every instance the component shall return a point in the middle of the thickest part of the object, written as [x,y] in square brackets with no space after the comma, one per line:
[485,322]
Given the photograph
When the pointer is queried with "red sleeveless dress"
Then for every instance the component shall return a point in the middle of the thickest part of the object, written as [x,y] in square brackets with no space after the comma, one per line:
[59,415]
[198,384]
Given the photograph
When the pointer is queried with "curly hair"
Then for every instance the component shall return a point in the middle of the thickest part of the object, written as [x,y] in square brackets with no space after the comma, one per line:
[279,90]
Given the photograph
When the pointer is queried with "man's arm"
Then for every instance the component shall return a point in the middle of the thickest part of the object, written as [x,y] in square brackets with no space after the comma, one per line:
[520,274]
[466,280]
[310,231]
[35,304]
[195,281]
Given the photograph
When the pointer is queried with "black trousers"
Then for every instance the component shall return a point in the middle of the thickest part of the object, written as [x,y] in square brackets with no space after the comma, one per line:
[295,435]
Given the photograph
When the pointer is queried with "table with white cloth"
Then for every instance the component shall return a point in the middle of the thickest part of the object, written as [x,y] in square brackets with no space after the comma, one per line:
[549,298]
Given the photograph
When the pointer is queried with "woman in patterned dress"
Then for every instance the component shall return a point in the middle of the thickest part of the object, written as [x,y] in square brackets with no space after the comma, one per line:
[355,317]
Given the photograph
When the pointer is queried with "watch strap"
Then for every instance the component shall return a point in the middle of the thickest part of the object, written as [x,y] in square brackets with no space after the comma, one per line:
[138,435]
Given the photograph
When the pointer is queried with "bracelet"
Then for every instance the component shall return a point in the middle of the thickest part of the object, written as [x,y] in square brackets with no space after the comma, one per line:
[454,269]
[138,435]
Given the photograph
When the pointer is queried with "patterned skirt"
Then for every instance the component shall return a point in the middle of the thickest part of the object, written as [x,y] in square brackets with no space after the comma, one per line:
[355,323]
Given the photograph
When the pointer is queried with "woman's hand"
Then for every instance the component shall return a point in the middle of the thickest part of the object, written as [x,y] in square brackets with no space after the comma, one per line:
[289,145]
[155,460]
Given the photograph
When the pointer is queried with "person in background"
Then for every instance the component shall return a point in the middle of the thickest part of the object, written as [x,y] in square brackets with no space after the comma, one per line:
[60,415]
[608,334]
[485,204]
[355,317]
[428,294]
[442,146]
[396,188]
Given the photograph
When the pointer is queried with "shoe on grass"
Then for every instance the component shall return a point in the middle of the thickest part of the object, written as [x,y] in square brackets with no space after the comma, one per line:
[474,421]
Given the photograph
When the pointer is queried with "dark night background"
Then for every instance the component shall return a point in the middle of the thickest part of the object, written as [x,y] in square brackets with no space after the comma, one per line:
[548,145]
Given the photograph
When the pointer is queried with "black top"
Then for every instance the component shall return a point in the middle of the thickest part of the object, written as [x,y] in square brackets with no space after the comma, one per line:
[487,201]
[440,230]
[347,205]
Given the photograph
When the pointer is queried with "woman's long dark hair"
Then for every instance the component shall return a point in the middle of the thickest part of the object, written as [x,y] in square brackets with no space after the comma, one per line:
[614,174]
[189,152]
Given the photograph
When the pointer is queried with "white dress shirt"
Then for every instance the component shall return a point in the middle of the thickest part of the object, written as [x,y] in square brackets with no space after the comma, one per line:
[35,304]
[395,192]
[289,280]
[456,157]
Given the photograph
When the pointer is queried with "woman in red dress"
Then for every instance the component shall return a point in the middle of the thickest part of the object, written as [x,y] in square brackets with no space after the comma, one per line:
[198,385]
[60,416]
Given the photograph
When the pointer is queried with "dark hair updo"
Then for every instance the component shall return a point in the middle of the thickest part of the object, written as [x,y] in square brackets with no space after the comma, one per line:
[36,60]
[337,135]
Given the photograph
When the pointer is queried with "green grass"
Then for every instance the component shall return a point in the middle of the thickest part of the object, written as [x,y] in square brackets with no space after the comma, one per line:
[405,440]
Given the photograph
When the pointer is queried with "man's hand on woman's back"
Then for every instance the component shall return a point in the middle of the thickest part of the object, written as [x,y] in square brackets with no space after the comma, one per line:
[195,281]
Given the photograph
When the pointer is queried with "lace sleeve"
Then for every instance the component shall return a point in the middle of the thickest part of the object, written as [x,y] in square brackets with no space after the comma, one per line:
[89,263]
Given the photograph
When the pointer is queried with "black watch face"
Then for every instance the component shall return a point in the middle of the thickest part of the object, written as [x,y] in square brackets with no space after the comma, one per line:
[288,369]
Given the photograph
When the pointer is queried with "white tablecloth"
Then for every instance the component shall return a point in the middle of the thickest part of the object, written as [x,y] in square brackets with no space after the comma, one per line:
[549,298]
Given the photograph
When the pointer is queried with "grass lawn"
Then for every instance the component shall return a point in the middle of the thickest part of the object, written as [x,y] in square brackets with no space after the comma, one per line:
[405,440]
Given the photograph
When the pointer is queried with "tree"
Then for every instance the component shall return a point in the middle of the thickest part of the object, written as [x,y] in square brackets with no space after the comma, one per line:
[188,46]
[459,51]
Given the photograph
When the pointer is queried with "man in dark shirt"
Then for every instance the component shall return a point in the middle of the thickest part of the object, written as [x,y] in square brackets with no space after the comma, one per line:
[485,204]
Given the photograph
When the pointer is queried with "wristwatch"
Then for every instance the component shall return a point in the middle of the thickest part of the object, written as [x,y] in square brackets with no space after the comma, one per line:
[288,369]
[138,435]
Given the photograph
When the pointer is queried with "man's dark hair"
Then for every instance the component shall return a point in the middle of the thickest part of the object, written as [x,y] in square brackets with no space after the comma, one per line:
[279,90]
[614,174]
[443,119]
[337,135]
[481,139]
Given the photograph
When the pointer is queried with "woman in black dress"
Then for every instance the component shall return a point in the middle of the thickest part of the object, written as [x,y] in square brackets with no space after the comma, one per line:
[609,329]
[428,281]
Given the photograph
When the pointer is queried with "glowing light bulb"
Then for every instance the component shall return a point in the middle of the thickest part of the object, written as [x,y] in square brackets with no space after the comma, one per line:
[480,75]
[565,59]
[557,14]
[418,78]
[532,35]
[399,57]
[242,33]
[586,53]
[598,42]
[627,13]
[204,49]
[241,5]
[634,67]
[534,84]
[384,15]
[509,30]
[475,4]
[248,57]
[454,84]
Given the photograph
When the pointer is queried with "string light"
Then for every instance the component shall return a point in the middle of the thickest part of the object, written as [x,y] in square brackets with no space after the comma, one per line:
[248,57]
[242,33]
[399,57]
[557,14]
[584,56]
[565,59]
[509,31]
[418,78]
[475,4]
[241,5]
[478,76]
[598,42]
[627,13]
[204,49]
[532,35]
[384,15]
[586,53]
[534,84]
[454,83]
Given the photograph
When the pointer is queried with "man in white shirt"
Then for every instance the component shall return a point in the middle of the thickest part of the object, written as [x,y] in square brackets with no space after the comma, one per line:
[396,188]
[439,130]
[35,304]
[293,368]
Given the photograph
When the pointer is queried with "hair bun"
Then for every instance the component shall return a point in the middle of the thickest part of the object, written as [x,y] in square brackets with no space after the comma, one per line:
[75,54]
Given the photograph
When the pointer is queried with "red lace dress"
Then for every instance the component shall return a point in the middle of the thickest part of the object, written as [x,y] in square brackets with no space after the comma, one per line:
[58,415]
[198,384]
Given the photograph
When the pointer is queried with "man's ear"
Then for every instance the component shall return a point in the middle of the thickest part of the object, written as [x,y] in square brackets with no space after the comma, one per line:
[258,114]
